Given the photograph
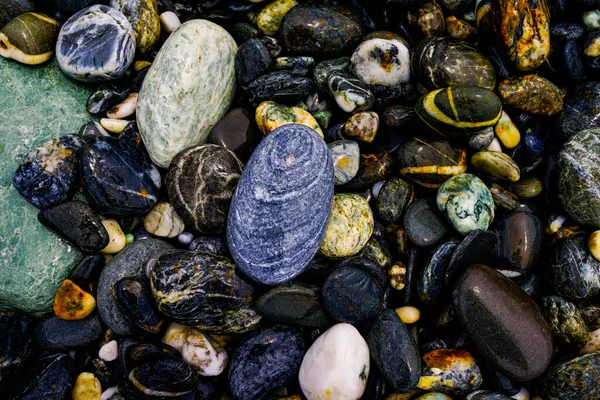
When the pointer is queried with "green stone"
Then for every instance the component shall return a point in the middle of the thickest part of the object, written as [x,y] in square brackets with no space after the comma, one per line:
[395,195]
[466,202]
[40,104]
[496,164]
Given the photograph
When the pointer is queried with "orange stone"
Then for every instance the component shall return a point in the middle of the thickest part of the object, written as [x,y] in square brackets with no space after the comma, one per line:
[72,303]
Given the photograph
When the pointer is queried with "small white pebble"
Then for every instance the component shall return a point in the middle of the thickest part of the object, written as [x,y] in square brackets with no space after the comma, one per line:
[110,351]
[163,221]
[408,314]
[495,145]
[125,108]
[114,125]
[116,237]
[522,395]
[203,353]
[376,188]
[169,21]
[108,393]
[185,238]
[510,274]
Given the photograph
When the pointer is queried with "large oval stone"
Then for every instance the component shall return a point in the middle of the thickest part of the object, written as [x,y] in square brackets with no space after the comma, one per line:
[280,208]
[197,61]
[520,245]
[579,177]
[504,323]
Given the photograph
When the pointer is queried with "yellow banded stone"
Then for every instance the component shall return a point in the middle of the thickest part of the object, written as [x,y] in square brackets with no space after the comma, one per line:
[29,38]
[271,115]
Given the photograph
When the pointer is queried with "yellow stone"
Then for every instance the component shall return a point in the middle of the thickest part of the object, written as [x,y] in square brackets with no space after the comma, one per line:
[116,237]
[594,244]
[114,125]
[269,18]
[72,303]
[507,132]
[408,314]
[397,276]
[140,65]
[270,116]
[87,387]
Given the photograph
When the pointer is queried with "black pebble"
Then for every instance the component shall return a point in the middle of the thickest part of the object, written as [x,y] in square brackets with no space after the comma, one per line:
[54,333]
[252,60]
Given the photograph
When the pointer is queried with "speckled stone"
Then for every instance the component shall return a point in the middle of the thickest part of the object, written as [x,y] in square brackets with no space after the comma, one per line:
[486,303]
[346,156]
[466,202]
[145,20]
[350,93]
[200,183]
[451,371]
[58,334]
[91,29]
[287,186]
[129,263]
[32,270]
[270,116]
[532,94]
[350,226]
[581,110]
[269,18]
[394,197]
[573,380]
[431,288]
[565,321]
[166,128]
[381,62]
[51,376]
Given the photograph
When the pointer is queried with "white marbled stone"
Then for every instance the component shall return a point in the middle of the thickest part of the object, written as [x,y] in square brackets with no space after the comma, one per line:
[109,352]
[336,366]
[188,89]
[203,353]
[175,335]
[381,62]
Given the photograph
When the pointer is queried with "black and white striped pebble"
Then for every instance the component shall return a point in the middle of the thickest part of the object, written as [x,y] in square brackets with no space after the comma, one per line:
[349,92]
[96,44]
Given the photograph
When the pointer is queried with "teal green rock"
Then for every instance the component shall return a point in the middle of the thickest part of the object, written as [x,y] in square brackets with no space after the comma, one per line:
[42,104]
[466,202]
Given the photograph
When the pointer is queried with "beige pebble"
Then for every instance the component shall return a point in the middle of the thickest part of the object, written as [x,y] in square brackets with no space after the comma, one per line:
[363,126]
[125,108]
[117,239]
[169,21]
[108,393]
[592,344]
[203,353]
[114,125]
[594,244]
[87,387]
[163,221]
[495,145]
[408,314]
[175,335]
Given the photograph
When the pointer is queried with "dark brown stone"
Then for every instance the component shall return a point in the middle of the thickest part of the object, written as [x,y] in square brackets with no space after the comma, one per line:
[236,132]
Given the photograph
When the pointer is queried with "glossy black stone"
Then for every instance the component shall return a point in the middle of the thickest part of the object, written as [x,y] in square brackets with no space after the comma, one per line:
[252,60]
[279,86]
[265,361]
[372,168]
[431,286]
[51,377]
[119,178]
[87,271]
[16,345]
[394,351]
[106,96]
[135,300]
[47,175]
[351,295]
[54,333]
[520,241]
[92,129]
[210,244]
[476,248]
[167,376]
[77,223]
[424,224]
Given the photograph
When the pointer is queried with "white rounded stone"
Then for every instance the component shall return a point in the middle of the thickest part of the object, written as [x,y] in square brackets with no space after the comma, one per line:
[188,89]
[495,145]
[384,62]
[124,109]
[175,335]
[336,366]
[110,351]
[114,125]
[203,353]
[169,21]
[116,237]
[522,395]
[163,221]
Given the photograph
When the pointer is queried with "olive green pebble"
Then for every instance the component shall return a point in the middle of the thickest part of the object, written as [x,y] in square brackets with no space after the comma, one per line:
[350,226]
[527,188]
[496,164]
[29,38]
[269,18]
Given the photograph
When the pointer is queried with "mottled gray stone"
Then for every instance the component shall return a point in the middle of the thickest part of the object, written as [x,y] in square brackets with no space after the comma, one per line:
[281,206]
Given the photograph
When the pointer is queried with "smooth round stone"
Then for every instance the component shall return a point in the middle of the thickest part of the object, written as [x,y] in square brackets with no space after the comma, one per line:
[394,351]
[565,321]
[270,116]
[394,197]
[349,228]
[486,303]
[578,182]
[363,126]
[294,304]
[175,335]
[252,60]
[430,163]
[352,295]
[442,61]
[91,29]
[532,94]
[466,202]
[203,353]
[496,164]
[203,290]
[129,263]
[200,183]
[350,93]
[109,351]
[336,366]
[16,343]
[573,380]
[73,303]
[113,187]
[46,176]
[196,50]
[478,247]
[346,156]
[423,222]
[431,288]
[381,62]
[521,238]
[145,20]
[287,186]
[267,360]
[51,376]
[321,30]
[169,21]
[527,188]
[581,110]
[236,132]
[29,38]
[574,273]
[451,371]
[77,223]
[117,239]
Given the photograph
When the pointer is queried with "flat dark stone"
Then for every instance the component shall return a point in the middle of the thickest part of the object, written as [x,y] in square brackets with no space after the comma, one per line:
[16,345]
[267,360]
[395,351]
[87,271]
[280,87]
[78,224]
[505,325]
[51,377]
[58,334]
[476,248]
[424,224]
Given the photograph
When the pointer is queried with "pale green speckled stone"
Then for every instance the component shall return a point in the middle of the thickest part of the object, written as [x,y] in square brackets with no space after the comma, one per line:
[466,202]
[188,89]
[349,228]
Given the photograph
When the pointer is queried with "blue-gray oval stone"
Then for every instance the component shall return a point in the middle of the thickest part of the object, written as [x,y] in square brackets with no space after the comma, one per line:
[281,205]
